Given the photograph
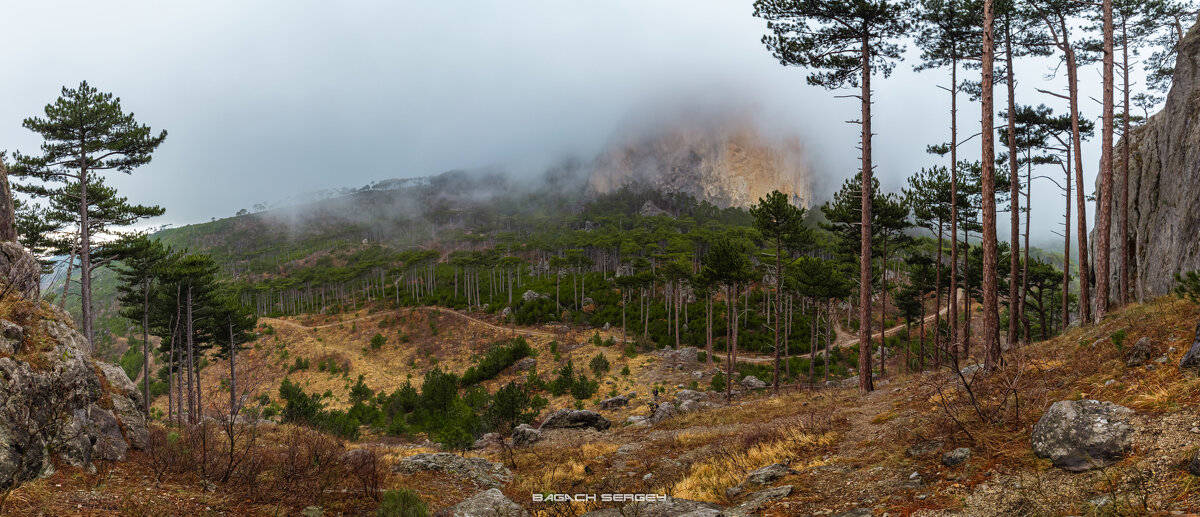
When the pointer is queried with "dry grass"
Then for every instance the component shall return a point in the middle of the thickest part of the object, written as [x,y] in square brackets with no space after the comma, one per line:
[708,479]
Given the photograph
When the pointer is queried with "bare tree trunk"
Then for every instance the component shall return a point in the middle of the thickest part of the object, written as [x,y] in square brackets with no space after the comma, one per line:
[955,346]
[1085,312]
[1104,199]
[991,302]
[1016,300]
[191,360]
[865,383]
[937,309]
[1066,284]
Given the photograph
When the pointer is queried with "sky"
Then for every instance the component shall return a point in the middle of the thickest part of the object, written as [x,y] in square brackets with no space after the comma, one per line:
[265,101]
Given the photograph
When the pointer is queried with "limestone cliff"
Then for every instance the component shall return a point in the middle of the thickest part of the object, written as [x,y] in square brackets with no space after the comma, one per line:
[726,164]
[1164,186]
[57,405]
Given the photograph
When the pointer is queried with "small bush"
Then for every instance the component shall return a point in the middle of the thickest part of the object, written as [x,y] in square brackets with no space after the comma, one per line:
[377,341]
[402,502]
[718,382]
[300,364]
[599,365]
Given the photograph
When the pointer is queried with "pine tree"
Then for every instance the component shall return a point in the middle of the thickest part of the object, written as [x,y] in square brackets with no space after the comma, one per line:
[845,43]
[141,265]
[86,134]
[727,264]
[782,226]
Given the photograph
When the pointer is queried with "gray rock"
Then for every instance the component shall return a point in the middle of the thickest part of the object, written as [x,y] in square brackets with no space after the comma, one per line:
[530,296]
[525,435]
[956,457]
[689,395]
[526,364]
[109,443]
[487,440]
[664,411]
[312,511]
[687,355]
[477,469]
[1079,435]
[11,336]
[1194,465]
[753,382]
[850,382]
[614,403]
[1163,220]
[575,419]
[1191,358]
[759,477]
[1139,353]
[21,270]
[489,503]
[62,410]
[637,420]
[754,502]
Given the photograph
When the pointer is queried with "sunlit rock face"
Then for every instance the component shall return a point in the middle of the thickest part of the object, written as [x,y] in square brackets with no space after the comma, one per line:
[726,164]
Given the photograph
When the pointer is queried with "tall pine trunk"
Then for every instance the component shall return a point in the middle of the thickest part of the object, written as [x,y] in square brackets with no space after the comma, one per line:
[865,383]
[991,302]
[1104,198]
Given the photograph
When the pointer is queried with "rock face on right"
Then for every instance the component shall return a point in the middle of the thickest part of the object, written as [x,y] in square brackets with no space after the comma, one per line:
[1164,186]
[1079,435]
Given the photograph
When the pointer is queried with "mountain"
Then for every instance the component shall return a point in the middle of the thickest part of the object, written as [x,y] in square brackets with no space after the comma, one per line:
[1164,186]
[727,163]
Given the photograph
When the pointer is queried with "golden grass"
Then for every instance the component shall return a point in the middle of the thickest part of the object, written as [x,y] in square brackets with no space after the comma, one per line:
[708,479]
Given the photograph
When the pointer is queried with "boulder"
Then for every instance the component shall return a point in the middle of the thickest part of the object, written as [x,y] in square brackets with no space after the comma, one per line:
[525,435]
[956,457]
[752,382]
[682,396]
[109,443]
[683,356]
[11,336]
[759,477]
[1079,435]
[1191,359]
[489,503]
[1194,465]
[476,469]
[575,419]
[530,296]
[526,364]
[850,382]
[754,502]
[1139,353]
[487,440]
[614,403]
[664,411]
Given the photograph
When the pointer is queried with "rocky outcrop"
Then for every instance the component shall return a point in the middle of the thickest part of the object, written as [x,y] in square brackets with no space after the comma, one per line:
[614,402]
[525,435]
[724,161]
[1139,353]
[489,503]
[575,419]
[1079,435]
[20,271]
[758,478]
[1191,358]
[477,469]
[753,382]
[1164,186]
[56,403]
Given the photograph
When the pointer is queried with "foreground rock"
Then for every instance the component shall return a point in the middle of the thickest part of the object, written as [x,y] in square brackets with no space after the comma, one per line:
[664,411]
[759,477]
[489,503]
[614,403]
[59,406]
[575,419]
[477,469]
[1079,435]
[956,457]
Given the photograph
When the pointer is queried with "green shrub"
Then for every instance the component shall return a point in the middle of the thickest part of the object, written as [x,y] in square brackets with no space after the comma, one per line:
[718,382]
[402,502]
[625,370]
[1118,339]
[498,358]
[377,341]
[599,365]
[630,350]
[300,364]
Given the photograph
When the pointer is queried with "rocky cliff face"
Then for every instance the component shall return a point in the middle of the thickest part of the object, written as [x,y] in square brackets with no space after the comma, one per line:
[1164,186]
[57,405]
[726,164]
